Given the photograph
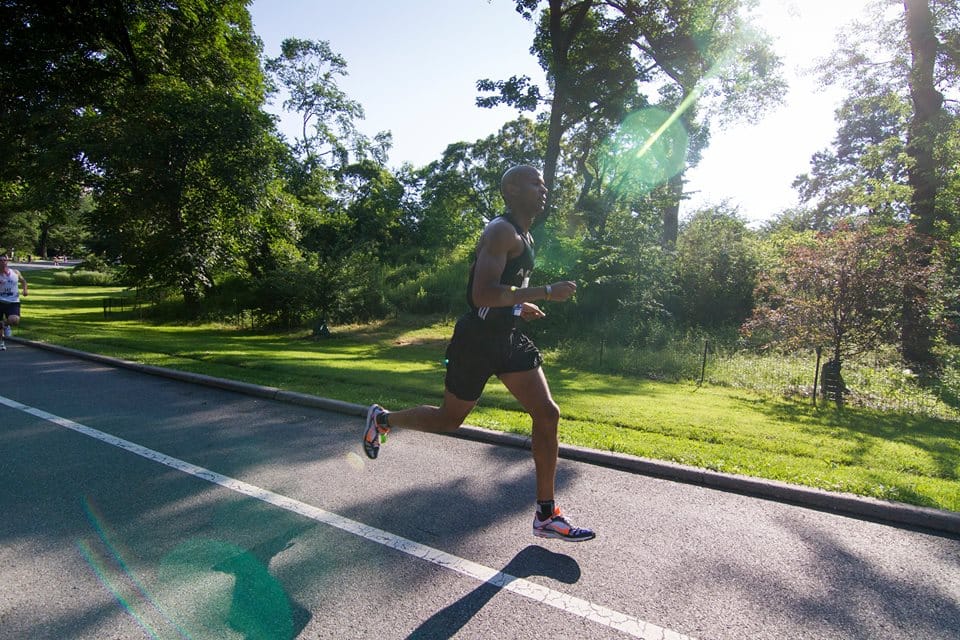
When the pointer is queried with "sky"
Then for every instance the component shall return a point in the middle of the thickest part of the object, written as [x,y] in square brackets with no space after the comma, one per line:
[413,66]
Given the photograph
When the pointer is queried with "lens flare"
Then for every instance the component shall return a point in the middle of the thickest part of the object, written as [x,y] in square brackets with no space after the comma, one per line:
[355,461]
[648,148]
[107,562]
[650,145]
[217,585]
[203,588]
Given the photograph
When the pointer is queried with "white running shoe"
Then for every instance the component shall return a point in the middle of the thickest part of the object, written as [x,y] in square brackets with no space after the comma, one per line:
[373,432]
[557,526]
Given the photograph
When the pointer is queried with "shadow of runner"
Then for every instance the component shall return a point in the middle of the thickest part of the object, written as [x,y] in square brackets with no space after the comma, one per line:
[253,603]
[532,561]
[261,608]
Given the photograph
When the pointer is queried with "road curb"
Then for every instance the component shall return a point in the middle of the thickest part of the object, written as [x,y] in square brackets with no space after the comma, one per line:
[936,520]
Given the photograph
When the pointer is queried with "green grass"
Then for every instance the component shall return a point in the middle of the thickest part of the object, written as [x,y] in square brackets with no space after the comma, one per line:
[896,456]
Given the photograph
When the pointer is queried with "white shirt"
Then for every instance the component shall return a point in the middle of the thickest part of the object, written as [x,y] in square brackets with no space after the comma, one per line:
[10,285]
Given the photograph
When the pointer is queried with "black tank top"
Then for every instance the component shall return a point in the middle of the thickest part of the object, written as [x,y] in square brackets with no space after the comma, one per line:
[516,273]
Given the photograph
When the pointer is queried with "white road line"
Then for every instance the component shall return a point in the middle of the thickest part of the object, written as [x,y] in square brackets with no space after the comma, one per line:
[583,608]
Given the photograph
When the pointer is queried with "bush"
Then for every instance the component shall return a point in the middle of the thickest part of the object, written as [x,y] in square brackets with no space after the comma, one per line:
[432,288]
[93,262]
[347,289]
[83,278]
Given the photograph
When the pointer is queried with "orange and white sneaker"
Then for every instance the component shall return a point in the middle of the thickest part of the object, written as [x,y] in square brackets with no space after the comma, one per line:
[556,526]
[373,431]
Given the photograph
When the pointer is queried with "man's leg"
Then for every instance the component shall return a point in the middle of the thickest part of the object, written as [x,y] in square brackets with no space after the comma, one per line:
[447,417]
[530,388]
[11,321]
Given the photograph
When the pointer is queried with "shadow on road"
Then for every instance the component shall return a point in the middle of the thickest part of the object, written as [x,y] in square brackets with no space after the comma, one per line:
[532,561]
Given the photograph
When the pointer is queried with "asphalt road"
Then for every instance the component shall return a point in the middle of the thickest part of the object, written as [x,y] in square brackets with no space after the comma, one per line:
[135,506]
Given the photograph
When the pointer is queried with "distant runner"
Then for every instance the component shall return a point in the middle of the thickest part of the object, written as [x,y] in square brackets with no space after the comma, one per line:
[11,281]
[487,341]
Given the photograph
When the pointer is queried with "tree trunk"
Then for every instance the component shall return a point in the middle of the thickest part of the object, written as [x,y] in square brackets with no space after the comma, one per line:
[43,242]
[552,158]
[927,107]
[561,38]
[671,212]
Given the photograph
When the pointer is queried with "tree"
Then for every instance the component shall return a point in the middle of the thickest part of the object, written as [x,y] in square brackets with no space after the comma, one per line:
[180,179]
[716,269]
[703,51]
[842,289]
[177,146]
[562,26]
[156,105]
[687,50]
[925,178]
[48,73]
[461,190]
[865,171]
[927,111]
[307,71]
[913,54]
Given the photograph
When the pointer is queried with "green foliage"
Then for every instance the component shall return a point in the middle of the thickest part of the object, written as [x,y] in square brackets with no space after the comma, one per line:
[716,269]
[156,106]
[83,278]
[865,171]
[307,71]
[294,294]
[93,262]
[626,277]
[19,230]
[302,292]
[461,191]
[438,288]
[844,290]
[179,183]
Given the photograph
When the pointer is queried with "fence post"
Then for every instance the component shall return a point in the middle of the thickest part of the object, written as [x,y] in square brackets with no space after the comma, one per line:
[703,364]
[816,376]
[602,342]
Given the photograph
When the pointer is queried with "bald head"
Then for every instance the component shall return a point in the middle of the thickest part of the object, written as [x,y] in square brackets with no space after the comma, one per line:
[513,177]
[524,192]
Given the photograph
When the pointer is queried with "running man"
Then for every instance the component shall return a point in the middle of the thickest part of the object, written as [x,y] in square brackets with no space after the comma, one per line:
[11,281]
[486,341]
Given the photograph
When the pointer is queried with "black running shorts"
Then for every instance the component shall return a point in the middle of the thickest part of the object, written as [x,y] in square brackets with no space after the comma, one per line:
[8,309]
[480,349]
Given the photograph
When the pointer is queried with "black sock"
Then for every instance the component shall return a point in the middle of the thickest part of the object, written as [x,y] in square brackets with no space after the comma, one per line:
[382,420]
[544,509]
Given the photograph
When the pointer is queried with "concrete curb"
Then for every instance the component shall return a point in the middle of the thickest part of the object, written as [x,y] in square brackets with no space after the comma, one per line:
[935,520]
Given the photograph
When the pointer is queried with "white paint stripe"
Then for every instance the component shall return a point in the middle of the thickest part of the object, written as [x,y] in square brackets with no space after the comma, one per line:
[583,608]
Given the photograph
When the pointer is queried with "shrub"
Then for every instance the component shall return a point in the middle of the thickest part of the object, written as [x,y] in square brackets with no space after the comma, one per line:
[93,262]
[91,278]
[83,278]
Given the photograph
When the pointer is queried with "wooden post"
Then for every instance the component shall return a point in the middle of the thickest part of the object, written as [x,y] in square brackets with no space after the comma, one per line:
[703,364]
[816,376]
